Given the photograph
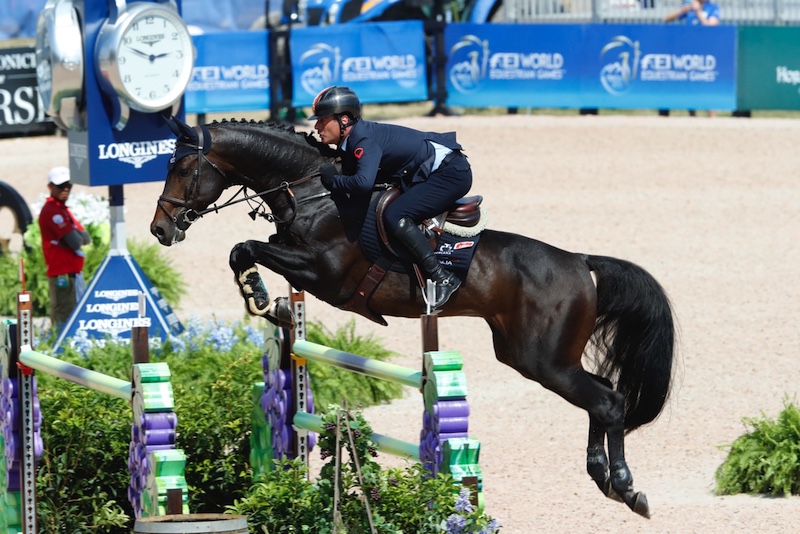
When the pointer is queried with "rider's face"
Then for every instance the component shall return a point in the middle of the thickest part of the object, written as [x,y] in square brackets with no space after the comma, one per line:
[328,129]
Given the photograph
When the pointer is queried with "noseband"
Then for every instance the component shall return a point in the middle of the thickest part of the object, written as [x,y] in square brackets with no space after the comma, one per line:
[188,214]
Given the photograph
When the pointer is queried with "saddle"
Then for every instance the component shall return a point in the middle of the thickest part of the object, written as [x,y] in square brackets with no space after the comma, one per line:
[464,214]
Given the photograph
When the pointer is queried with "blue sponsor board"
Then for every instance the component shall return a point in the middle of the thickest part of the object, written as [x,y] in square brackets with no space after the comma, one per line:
[381,62]
[645,66]
[514,65]
[230,73]
[591,65]
[109,308]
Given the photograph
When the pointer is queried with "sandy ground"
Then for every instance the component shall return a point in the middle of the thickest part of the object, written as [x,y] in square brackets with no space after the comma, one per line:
[709,207]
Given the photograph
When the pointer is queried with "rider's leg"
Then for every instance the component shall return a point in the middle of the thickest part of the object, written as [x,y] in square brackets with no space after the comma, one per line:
[412,238]
[428,199]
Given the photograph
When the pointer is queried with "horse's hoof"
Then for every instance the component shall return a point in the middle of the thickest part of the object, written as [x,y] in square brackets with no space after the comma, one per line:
[282,312]
[638,503]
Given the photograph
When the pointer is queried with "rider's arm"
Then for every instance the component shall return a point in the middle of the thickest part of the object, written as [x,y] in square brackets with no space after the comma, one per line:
[367,157]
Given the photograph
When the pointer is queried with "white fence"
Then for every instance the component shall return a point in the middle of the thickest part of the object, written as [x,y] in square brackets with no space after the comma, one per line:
[739,12]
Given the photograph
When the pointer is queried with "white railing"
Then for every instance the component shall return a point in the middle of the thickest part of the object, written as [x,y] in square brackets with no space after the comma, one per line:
[740,12]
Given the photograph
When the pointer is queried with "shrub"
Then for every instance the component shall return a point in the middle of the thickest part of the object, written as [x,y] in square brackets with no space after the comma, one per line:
[83,478]
[400,500]
[330,383]
[766,460]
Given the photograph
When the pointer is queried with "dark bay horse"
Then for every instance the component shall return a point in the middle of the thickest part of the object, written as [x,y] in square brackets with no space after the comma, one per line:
[542,306]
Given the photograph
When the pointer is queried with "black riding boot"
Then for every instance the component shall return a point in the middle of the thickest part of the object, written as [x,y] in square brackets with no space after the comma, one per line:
[446,282]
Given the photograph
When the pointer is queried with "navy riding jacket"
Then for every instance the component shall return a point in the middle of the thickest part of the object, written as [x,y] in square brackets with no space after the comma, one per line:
[387,153]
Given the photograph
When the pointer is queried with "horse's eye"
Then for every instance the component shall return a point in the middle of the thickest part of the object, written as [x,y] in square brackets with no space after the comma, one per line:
[184,172]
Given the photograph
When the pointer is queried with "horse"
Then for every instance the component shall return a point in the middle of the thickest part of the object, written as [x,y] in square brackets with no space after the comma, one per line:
[547,308]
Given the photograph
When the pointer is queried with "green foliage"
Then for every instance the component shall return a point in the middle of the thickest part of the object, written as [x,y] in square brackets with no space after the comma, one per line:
[400,500]
[84,477]
[766,460]
[83,431]
[329,383]
[150,258]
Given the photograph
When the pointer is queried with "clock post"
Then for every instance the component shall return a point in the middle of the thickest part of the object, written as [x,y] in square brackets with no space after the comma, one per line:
[137,62]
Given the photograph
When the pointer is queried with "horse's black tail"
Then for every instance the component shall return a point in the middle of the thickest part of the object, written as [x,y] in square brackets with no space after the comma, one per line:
[636,332]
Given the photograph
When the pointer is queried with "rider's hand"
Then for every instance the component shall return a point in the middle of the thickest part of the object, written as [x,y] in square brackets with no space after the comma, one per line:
[328,172]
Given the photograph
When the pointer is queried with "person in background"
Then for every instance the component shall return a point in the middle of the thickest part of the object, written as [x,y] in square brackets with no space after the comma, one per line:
[696,13]
[62,239]
[430,167]
[18,18]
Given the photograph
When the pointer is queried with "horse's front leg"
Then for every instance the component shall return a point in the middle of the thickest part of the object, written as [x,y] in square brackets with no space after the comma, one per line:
[243,259]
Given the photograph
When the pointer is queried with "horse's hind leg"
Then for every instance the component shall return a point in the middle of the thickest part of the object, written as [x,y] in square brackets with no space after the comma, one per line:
[611,474]
[557,368]
[254,292]
[596,458]
[621,477]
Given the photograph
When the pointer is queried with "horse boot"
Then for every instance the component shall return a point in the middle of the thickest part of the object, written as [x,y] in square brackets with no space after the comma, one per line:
[256,300]
[411,237]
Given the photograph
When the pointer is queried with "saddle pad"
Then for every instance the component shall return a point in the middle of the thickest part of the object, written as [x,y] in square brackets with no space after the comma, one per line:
[454,253]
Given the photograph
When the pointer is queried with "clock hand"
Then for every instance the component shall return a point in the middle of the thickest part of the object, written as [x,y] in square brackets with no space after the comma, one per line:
[139,52]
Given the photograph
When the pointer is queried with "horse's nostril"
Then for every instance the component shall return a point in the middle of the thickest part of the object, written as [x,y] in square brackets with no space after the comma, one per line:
[157,231]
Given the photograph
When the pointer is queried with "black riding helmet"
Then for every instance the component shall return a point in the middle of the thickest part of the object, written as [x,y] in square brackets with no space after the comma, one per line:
[336,100]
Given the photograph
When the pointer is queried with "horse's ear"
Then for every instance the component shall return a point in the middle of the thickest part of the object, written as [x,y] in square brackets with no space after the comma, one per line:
[172,122]
[181,129]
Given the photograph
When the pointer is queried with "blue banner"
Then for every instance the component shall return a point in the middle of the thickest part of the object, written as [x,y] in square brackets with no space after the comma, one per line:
[230,73]
[591,66]
[672,67]
[514,65]
[381,62]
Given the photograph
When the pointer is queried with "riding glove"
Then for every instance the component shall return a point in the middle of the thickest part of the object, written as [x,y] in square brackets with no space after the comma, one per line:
[328,172]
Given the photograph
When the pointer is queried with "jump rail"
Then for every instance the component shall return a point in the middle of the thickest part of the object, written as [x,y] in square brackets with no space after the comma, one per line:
[287,401]
[157,467]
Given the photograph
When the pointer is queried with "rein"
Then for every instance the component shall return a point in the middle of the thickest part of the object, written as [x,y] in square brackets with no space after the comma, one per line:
[189,215]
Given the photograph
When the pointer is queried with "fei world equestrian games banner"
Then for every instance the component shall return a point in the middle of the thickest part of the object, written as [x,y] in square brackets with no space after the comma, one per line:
[381,62]
[591,66]
[230,72]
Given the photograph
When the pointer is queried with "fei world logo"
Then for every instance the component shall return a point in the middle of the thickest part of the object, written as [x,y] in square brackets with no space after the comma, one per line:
[474,63]
[623,62]
[323,65]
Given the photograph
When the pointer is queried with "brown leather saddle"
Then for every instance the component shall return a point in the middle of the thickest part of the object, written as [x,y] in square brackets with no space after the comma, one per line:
[464,212]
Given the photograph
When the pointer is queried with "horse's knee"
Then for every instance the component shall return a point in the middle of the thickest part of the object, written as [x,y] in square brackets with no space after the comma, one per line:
[240,259]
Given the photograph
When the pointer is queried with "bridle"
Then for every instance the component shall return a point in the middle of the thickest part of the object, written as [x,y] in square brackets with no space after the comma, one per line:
[188,214]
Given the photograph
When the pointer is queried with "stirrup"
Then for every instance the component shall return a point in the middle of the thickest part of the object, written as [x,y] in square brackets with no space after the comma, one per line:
[444,289]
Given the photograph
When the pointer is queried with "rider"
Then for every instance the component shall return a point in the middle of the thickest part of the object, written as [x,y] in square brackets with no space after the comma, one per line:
[430,167]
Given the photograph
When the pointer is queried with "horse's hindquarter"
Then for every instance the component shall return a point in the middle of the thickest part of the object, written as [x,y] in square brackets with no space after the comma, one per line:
[529,292]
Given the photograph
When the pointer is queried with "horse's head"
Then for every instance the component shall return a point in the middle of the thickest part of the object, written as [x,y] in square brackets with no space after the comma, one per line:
[194,181]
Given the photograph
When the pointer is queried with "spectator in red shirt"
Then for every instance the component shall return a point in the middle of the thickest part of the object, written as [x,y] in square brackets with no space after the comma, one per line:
[62,239]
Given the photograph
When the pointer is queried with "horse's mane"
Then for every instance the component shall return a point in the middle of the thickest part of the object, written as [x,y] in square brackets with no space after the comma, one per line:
[277,126]
[282,130]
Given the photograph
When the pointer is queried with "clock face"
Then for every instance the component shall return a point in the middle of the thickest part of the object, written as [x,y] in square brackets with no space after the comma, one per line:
[147,57]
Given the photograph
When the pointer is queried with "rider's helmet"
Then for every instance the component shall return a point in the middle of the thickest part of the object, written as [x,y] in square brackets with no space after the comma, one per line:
[336,100]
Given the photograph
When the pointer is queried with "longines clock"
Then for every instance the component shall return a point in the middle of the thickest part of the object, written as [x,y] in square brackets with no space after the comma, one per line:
[144,58]
[59,62]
